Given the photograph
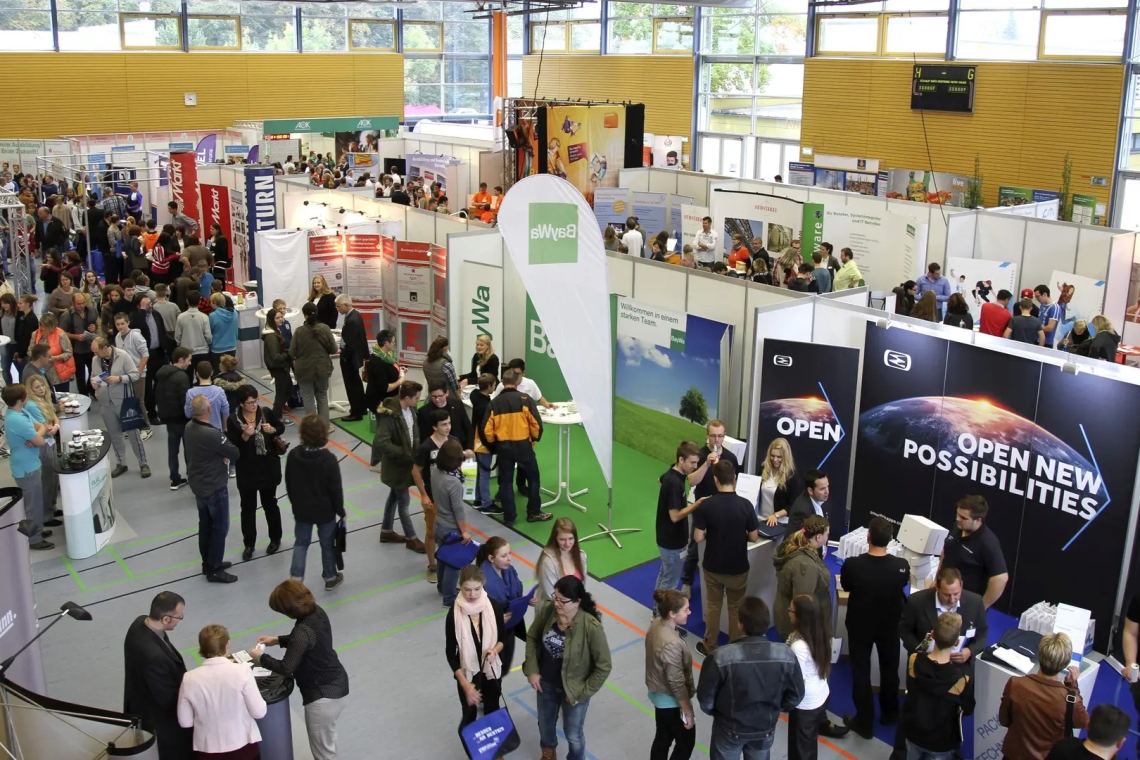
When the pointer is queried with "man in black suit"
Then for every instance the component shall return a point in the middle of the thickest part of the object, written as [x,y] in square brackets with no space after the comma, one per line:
[154,671]
[400,196]
[353,353]
[809,503]
[50,233]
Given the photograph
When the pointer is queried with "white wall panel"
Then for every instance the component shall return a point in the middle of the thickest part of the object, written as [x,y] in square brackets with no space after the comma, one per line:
[620,275]
[1093,247]
[420,225]
[634,179]
[1048,246]
[660,284]
[999,237]
[663,181]
[696,186]
[723,300]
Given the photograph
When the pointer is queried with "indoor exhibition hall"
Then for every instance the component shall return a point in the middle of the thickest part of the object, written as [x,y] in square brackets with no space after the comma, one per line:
[740,379]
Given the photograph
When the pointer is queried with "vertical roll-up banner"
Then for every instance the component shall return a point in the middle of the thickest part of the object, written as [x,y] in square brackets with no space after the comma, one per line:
[184,184]
[812,231]
[556,246]
[260,209]
[207,149]
[216,210]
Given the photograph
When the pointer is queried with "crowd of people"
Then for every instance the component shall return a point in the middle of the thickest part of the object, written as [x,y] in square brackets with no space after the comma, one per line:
[1035,318]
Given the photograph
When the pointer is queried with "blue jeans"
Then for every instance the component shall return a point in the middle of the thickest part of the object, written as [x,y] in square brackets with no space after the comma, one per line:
[173,445]
[550,701]
[483,480]
[304,536]
[447,577]
[728,745]
[670,573]
[213,527]
[915,752]
[398,498]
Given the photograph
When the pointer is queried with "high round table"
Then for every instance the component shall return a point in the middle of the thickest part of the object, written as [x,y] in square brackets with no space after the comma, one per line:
[563,416]
[85,493]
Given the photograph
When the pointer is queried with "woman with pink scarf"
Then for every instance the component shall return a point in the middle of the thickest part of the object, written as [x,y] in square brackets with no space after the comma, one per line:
[474,630]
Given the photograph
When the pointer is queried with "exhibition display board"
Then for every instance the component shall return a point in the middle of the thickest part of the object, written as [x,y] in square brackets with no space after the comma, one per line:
[475,292]
[655,212]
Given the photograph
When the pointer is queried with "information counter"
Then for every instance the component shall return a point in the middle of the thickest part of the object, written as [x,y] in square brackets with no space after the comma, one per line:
[86,497]
[761,575]
[277,726]
[74,421]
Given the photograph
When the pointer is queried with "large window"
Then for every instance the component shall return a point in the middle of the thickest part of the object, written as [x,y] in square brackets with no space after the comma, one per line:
[324,27]
[268,26]
[447,63]
[578,30]
[639,28]
[25,25]
[902,28]
[1022,30]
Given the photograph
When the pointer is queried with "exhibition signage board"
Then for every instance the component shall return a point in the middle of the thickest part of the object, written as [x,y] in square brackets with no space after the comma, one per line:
[691,218]
[652,212]
[260,209]
[939,87]
[439,283]
[886,245]
[326,258]
[670,376]
[207,149]
[1014,196]
[612,206]
[941,419]
[481,306]
[555,244]
[980,280]
[667,151]
[390,289]
[184,185]
[345,124]
[541,363]
[774,220]
[922,186]
[801,174]
[413,301]
[676,216]
[241,241]
[584,145]
[1086,210]
[216,210]
[18,623]
[807,397]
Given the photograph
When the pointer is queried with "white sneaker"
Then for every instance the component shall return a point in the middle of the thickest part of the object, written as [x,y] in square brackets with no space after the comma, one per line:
[146,434]
[375,468]
[233,471]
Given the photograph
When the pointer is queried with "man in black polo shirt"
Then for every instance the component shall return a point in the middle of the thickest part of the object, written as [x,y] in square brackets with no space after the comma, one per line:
[1129,635]
[729,523]
[976,551]
[875,583]
[705,485]
[673,516]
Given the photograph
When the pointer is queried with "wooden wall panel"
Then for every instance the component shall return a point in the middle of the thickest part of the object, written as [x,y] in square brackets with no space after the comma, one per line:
[1026,117]
[134,92]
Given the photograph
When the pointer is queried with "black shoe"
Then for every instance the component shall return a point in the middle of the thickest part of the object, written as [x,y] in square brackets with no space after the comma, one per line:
[703,650]
[492,509]
[832,731]
[58,513]
[176,484]
[539,517]
[682,632]
[46,533]
[861,731]
[352,418]
[154,420]
[334,582]
[224,566]
[42,546]
[887,718]
[273,547]
[53,523]
[221,577]
[119,470]
[509,523]
[247,554]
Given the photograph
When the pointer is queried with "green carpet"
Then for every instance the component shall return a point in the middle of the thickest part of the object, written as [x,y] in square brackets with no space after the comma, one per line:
[635,498]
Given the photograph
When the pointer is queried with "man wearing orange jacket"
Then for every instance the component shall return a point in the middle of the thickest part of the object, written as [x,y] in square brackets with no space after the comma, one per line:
[512,429]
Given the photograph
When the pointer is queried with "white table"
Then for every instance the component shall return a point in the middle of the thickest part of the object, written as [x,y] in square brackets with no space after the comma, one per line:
[563,416]
[991,679]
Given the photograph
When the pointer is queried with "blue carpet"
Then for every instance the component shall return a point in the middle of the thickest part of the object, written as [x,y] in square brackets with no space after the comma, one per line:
[637,583]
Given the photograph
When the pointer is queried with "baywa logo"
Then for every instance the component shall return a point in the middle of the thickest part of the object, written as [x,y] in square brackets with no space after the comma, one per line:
[364,124]
[301,125]
[553,233]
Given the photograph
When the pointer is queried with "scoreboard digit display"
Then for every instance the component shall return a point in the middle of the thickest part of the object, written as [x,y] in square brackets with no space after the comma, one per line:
[943,88]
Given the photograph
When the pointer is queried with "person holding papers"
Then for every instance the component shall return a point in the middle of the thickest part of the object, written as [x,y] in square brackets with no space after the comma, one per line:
[504,586]
[1039,709]
[475,635]
[447,494]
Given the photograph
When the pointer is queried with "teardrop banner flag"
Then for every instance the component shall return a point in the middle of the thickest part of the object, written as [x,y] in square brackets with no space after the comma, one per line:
[556,246]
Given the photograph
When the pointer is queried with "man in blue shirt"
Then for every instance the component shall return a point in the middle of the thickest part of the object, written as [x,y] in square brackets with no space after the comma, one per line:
[135,203]
[1049,313]
[25,429]
[933,280]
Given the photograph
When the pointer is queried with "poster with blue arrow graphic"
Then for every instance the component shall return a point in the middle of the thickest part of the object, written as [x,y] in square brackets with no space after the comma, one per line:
[807,397]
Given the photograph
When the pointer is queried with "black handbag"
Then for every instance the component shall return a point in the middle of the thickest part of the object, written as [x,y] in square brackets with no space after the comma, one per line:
[340,543]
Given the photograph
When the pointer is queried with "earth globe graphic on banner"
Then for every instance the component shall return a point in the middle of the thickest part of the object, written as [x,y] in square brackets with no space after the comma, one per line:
[808,408]
[938,421]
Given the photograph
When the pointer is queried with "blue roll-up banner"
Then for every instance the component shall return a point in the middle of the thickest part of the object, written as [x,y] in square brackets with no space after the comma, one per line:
[652,212]
[260,210]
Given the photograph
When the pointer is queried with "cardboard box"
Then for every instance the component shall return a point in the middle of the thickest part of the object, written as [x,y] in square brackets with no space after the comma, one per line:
[922,535]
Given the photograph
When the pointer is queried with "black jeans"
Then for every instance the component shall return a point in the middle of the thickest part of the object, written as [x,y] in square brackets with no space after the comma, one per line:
[672,732]
[193,368]
[860,642]
[803,732]
[174,433]
[529,467]
[282,390]
[249,514]
[82,373]
[156,361]
[353,385]
[492,691]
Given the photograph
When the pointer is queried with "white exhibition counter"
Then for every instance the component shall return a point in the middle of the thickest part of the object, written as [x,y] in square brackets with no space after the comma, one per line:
[761,574]
[73,422]
[85,495]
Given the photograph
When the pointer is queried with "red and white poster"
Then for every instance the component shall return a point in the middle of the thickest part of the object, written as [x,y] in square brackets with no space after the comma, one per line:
[413,278]
[414,338]
[439,284]
[326,258]
[184,185]
[364,266]
[216,210]
[388,276]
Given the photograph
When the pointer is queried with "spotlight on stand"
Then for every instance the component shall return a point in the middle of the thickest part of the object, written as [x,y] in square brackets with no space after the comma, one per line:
[24,527]
[306,203]
[1070,367]
[67,609]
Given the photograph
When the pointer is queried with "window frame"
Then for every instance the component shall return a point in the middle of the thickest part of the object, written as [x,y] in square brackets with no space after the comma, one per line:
[659,20]
[437,24]
[884,22]
[235,19]
[1046,13]
[371,22]
[124,17]
[569,24]
[882,19]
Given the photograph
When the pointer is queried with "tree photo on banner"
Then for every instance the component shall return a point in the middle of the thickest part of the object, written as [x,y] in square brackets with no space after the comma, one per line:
[670,377]
[948,419]
[807,397]
[1079,298]
[980,280]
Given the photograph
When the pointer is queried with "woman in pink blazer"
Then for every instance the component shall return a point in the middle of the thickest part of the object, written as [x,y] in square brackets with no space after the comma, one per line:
[221,701]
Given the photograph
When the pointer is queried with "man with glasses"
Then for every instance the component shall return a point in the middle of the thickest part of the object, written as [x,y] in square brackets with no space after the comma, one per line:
[439,398]
[154,671]
[705,485]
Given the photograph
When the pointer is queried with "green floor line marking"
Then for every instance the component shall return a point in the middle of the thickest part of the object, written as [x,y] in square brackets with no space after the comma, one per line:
[647,710]
[352,506]
[71,571]
[121,563]
[391,631]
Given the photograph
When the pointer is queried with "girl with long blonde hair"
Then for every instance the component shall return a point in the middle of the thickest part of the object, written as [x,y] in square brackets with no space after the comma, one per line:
[561,556]
[40,394]
[780,484]
[484,361]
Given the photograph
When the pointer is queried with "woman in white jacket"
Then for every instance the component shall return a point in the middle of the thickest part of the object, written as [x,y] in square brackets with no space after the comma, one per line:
[560,557]
[220,701]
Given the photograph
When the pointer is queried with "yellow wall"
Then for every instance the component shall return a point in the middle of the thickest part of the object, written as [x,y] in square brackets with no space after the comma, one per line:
[664,83]
[1026,117]
[144,91]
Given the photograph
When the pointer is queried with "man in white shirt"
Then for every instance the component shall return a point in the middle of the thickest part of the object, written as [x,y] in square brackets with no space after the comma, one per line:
[632,240]
[706,243]
[525,384]
[289,166]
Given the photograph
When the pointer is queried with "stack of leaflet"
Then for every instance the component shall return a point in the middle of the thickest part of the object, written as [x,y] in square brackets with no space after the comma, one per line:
[1074,622]
[855,543]
[1015,660]
[1039,618]
[922,541]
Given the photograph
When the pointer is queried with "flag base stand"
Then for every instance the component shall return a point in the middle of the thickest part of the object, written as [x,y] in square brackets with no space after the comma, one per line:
[607,529]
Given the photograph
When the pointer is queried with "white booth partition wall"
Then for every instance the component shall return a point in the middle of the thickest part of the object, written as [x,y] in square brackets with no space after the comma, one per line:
[476,283]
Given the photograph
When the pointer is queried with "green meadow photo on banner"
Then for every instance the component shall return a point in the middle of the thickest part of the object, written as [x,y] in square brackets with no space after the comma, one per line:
[1014,196]
[669,377]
